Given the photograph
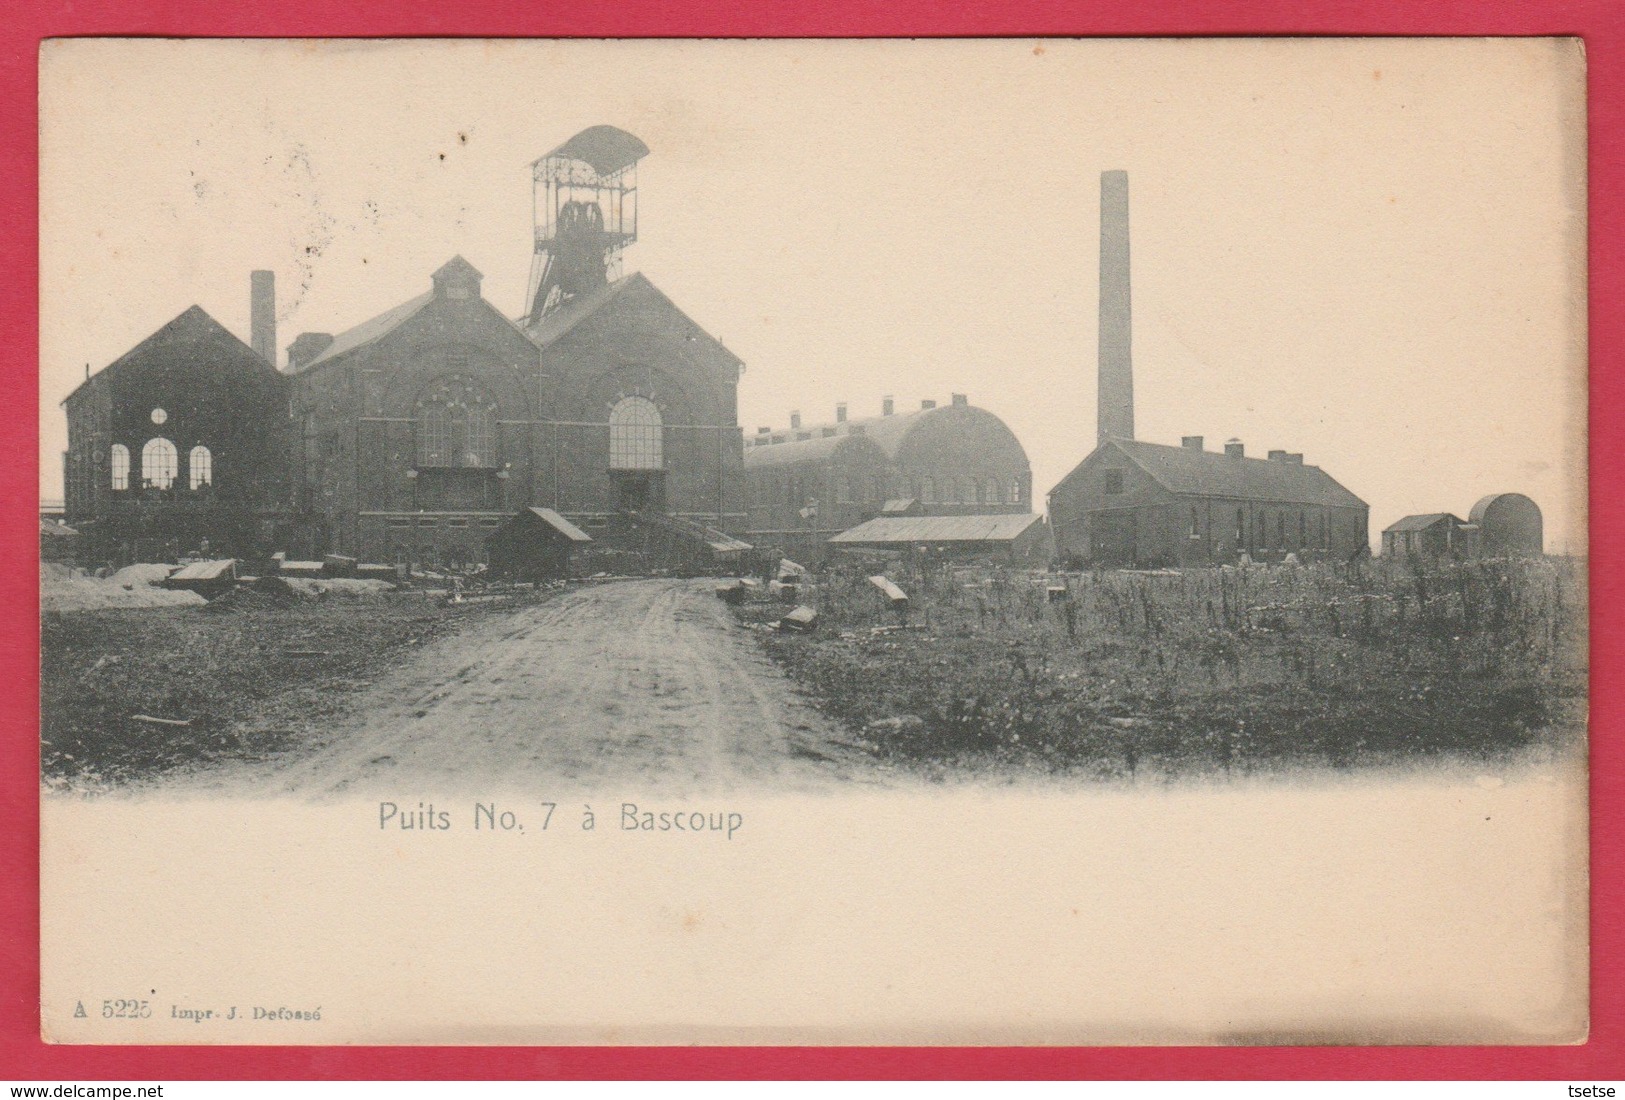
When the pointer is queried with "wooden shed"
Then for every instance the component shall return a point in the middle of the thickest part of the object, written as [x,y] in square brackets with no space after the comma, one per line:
[534,545]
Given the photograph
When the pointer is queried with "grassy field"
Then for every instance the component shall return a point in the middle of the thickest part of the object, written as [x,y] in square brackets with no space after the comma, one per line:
[1204,670]
[250,676]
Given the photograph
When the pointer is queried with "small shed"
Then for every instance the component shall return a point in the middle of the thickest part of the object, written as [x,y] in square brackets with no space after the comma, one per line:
[1017,539]
[534,545]
[57,541]
[1432,535]
[207,578]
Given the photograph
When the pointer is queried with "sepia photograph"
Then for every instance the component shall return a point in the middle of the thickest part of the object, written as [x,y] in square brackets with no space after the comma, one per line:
[1006,541]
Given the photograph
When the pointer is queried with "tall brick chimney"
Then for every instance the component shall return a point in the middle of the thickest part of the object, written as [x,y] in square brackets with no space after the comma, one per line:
[262,314]
[1116,397]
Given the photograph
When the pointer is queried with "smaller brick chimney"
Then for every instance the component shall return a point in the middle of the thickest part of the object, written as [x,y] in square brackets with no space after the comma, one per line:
[1191,442]
[1277,456]
[306,347]
[795,419]
[961,400]
[1234,449]
[840,412]
[886,405]
[927,404]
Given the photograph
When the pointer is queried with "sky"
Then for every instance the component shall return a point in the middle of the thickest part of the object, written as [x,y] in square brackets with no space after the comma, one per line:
[1368,251]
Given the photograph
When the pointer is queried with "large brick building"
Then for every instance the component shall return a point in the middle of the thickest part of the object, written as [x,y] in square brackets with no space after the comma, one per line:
[1143,504]
[1132,503]
[412,436]
[421,429]
[182,439]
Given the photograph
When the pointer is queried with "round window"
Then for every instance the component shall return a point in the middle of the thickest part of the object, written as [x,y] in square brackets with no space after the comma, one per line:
[159,416]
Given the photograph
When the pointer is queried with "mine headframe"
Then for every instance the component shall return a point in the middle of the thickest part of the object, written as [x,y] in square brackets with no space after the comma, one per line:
[585,213]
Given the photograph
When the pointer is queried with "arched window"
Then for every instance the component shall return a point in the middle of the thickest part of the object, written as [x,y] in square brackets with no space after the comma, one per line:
[457,425]
[158,461]
[121,466]
[1015,490]
[635,435]
[200,467]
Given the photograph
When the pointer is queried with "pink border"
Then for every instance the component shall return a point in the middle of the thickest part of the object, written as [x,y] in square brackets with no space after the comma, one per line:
[22,1057]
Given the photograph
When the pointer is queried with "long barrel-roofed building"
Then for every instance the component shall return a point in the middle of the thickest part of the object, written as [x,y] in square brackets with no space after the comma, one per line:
[809,482]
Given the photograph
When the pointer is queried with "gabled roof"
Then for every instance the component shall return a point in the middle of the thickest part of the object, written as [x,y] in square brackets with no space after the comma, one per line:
[567,316]
[1190,472]
[916,529]
[557,324]
[368,331]
[193,323]
[457,266]
[1422,522]
[377,328]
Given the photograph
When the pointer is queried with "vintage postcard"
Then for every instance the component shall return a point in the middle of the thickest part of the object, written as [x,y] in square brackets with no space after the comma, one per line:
[808,542]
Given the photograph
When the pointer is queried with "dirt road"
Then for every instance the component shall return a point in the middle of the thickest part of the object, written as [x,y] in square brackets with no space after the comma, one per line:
[644,684]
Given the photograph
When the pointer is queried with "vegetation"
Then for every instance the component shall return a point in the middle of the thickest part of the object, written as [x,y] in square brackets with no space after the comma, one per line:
[1202,671]
[243,678]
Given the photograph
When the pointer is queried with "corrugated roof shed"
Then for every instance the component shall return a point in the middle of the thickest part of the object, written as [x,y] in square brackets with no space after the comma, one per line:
[1211,473]
[926,529]
[560,524]
[1422,522]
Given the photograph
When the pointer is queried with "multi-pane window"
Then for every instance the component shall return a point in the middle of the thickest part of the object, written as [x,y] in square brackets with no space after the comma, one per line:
[636,438]
[1015,490]
[121,466]
[200,467]
[158,462]
[457,425]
